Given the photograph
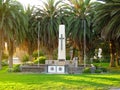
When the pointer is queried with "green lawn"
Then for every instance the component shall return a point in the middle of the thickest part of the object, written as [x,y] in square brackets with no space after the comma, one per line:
[20,81]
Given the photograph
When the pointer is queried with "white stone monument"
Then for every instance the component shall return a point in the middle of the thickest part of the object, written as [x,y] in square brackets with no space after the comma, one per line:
[59,65]
[61,43]
[61,50]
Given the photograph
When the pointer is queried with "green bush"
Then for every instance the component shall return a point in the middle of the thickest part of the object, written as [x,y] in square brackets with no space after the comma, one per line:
[40,59]
[4,63]
[106,59]
[67,57]
[87,70]
[10,69]
[25,58]
[35,54]
[98,71]
[100,68]
[103,69]
[96,61]
[16,68]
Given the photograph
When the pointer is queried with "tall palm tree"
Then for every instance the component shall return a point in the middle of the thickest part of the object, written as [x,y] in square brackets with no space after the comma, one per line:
[49,20]
[13,25]
[30,42]
[78,22]
[1,34]
[107,23]
[1,48]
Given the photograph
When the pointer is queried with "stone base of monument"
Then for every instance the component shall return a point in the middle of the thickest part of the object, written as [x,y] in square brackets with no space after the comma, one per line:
[60,66]
[66,67]
[56,69]
[42,68]
[56,66]
[69,68]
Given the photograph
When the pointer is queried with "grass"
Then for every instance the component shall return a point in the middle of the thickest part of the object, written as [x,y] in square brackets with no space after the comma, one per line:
[110,69]
[106,65]
[25,81]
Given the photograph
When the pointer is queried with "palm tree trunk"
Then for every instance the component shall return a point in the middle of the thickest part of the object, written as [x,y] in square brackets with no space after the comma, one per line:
[112,61]
[30,52]
[1,49]
[116,60]
[30,55]
[49,55]
[10,58]
[11,51]
[0,56]
[73,55]
[80,55]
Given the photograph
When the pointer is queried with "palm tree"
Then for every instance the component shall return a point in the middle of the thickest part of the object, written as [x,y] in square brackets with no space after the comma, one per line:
[79,24]
[107,24]
[30,42]
[48,17]
[13,25]
[1,34]
[1,48]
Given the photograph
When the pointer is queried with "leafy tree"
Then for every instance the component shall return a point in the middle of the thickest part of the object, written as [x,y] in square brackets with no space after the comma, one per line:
[13,25]
[78,13]
[107,24]
[48,18]
[30,42]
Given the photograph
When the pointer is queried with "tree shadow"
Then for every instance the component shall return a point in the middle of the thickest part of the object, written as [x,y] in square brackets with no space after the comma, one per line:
[65,81]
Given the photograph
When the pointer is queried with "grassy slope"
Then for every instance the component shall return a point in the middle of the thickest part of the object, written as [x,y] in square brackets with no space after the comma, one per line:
[19,81]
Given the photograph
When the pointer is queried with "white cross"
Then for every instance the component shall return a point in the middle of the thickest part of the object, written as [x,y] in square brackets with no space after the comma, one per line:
[61,38]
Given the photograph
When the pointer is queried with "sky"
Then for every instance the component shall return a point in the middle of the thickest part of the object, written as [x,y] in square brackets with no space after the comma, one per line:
[33,2]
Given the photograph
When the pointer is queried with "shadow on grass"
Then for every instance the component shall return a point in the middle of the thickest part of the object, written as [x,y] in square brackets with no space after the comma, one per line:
[61,81]
[109,77]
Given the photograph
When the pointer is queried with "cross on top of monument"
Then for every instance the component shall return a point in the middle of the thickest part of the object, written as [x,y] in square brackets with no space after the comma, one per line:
[61,43]
[61,38]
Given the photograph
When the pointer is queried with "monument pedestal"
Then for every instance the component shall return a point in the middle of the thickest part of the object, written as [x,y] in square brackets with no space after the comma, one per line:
[51,69]
[59,66]
[56,69]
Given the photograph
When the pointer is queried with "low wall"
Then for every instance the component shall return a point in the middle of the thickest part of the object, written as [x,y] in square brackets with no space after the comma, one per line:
[42,68]
[78,70]
[33,68]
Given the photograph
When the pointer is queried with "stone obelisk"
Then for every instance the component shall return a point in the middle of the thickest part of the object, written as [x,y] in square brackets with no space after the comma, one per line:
[62,43]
